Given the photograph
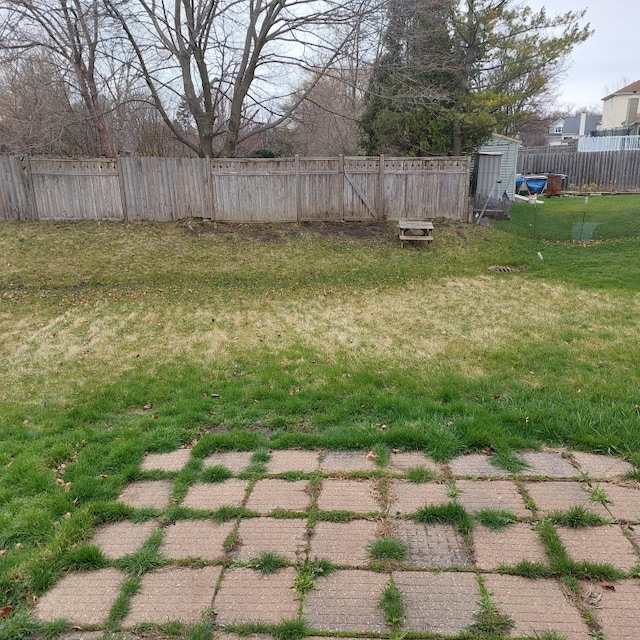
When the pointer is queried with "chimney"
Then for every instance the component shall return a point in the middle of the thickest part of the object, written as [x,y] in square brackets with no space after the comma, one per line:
[583,124]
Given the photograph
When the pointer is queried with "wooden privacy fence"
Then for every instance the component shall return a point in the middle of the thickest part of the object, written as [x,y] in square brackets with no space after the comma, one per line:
[608,170]
[234,190]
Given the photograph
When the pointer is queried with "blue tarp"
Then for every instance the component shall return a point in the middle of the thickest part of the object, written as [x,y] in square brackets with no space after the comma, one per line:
[535,185]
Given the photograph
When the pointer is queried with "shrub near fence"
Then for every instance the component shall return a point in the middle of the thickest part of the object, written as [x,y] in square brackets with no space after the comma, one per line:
[234,190]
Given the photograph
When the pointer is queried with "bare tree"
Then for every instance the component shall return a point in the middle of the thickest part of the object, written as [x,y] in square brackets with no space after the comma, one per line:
[233,63]
[70,32]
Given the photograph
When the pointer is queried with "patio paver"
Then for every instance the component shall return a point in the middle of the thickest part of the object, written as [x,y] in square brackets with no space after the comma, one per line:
[196,539]
[174,461]
[625,502]
[235,461]
[507,547]
[118,539]
[212,496]
[536,606]
[432,546]
[347,601]
[82,598]
[343,543]
[157,600]
[408,497]
[617,609]
[247,595]
[405,460]
[491,494]
[271,494]
[562,496]
[284,537]
[147,494]
[293,460]
[443,603]
[358,496]
[599,467]
[549,464]
[606,545]
[476,465]
[345,461]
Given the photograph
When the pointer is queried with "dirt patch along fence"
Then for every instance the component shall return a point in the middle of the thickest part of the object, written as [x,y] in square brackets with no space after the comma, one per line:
[603,170]
[234,190]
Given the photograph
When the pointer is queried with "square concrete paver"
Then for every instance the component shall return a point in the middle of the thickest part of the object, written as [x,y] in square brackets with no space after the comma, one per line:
[550,464]
[212,496]
[359,496]
[284,537]
[347,601]
[83,599]
[173,593]
[247,595]
[476,465]
[147,494]
[345,461]
[235,461]
[617,609]
[432,546]
[293,460]
[599,467]
[405,460]
[174,461]
[196,539]
[507,547]
[625,502]
[118,539]
[407,497]
[536,607]
[491,494]
[605,545]
[562,496]
[270,495]
[343,543]
[439,603]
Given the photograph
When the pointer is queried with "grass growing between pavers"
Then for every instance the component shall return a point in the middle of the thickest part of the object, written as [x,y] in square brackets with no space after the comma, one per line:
[117,340]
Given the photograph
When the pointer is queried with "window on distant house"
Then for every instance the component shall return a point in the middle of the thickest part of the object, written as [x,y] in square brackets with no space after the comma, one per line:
[558,128]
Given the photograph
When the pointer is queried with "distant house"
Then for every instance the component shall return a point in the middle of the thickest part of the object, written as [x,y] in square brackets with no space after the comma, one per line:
[620,115]
[568,130]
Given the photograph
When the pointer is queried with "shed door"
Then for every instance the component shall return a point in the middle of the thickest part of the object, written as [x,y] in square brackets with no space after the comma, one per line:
[488,174]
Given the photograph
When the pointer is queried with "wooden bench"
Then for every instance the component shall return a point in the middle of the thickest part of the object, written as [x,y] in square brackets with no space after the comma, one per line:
[415,230]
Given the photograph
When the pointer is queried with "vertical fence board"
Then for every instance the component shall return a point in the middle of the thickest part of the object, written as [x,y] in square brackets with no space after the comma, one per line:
[14,195]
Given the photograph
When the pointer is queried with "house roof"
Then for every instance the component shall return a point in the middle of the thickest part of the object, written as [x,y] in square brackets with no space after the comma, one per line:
[634,87]
[572,124]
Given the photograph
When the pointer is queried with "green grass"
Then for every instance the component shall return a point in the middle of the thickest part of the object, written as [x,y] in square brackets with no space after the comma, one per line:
[117,340]
[495,519]
[449,513]
[490,624]
[268,563]
[577,517]
[392,605]
[387,548]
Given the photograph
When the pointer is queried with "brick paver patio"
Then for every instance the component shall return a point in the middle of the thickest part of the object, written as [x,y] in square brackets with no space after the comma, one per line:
[209,567]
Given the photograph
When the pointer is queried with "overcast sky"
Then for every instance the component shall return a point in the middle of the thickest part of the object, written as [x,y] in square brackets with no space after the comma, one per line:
[607,60]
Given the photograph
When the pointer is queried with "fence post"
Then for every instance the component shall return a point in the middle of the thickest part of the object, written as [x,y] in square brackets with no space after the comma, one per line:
[380,194]
[31,189]
[298,187]
[123,191]
[341,172]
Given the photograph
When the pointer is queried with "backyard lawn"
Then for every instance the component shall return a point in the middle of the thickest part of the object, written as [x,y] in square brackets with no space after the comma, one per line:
[116,340]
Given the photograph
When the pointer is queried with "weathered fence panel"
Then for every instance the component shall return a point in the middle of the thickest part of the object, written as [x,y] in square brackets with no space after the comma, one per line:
[14,193]
[607,170]
[165,188]
[235,190]
[75,189]
[422,188]
[251,190]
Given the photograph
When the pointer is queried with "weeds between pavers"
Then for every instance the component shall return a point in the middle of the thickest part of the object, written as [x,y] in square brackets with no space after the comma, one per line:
[449,513]
[387,548]
[490,624]
[495,519]
[392,606]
